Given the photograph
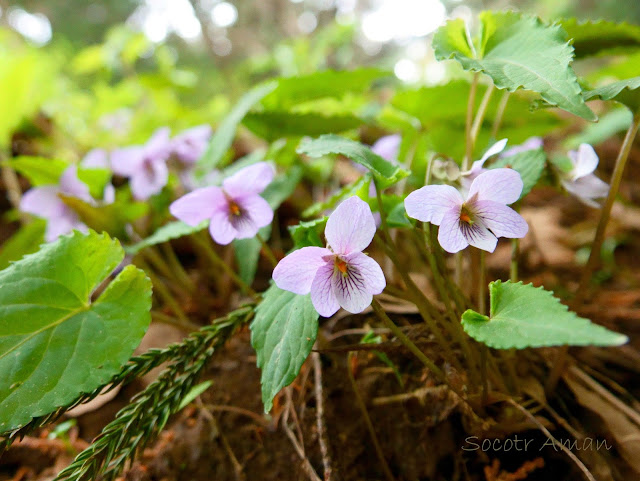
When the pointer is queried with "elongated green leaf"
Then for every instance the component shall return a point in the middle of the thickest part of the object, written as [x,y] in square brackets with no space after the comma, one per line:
[226,132]
[601,37]
[359,187]
[172,230]
[329,83]
[247,253]
[383,171]
[282,333]
[529,164]
[273,125]
[626,92]
[525,316]
[517,51]
[55,342]
[615,121]
[26,241]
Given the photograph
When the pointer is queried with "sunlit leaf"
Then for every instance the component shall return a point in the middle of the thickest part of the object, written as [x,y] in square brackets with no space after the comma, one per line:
[517,51]
[385,172]
[601,37]
[626,92]
[226,131]
[273,125]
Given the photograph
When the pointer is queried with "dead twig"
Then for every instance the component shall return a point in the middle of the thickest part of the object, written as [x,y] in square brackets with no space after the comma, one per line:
[546,432]
[322,431]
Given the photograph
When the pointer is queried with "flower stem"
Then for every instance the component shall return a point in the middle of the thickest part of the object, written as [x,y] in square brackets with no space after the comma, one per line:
[402,337]
[427,310]
[482,110]
[515,254]
[176,265]
[596,246]
[267,251]
[163,292]
[203,241]
[469,121]
[482,282]
[502,106]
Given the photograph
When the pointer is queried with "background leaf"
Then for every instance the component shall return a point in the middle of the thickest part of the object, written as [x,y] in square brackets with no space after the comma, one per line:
[55,343]
[282,333]
[25,241]
[44,171]
[306,234]
[626,92]
[384,171]
[328,83]
[517,52]
[601,37]
[273,125]
[525,316]
[172,230]
[223,137]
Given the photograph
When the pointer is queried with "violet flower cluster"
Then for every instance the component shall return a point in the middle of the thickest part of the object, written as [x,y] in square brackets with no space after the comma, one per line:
[146,165]
[45,202]
[235,210]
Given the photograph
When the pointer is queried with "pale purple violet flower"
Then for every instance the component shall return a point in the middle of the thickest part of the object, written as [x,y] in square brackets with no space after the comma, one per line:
[189,145]
[532,143]
[44,202]
[145,165]
[236,210]
[96,159]
[477,167]
[581,181]
[340,275]
[480,219]
[387,147]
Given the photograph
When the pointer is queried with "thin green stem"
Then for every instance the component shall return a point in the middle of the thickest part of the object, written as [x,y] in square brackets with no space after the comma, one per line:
[461,301]
[469,122]
[482,282]
[267,251]
[408,343]
[456,328]
[423,242]
[515,255]
[202,239]
[176,266]
[502,106]
[164,293]
[482,110]
[616,179]
[426,309]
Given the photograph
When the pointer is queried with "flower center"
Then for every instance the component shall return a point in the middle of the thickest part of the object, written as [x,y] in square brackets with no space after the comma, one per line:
[234,208]
[341,266]
[465,215]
